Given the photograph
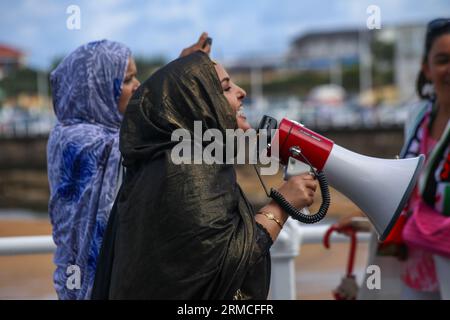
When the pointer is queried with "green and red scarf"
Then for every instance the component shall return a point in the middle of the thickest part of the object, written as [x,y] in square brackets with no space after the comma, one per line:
[434,182]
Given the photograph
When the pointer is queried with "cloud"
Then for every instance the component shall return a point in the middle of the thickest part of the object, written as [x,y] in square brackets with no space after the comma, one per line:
[239,28]
[106,25]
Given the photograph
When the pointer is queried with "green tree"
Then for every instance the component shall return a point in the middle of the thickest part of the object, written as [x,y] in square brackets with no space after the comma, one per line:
[21,81]
[146,66]
[383,62]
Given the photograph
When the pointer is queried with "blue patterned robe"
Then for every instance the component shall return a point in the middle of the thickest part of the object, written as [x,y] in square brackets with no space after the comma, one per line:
[84,159]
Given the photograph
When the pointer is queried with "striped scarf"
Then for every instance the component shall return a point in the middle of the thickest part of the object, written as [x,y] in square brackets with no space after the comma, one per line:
[434,182]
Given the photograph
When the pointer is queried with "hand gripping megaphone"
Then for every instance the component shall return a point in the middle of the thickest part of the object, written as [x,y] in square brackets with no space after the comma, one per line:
[379,187]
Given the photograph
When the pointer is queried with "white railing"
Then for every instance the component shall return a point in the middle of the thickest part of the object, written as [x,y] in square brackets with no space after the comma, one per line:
[283,252]
[287,248]
[26,245]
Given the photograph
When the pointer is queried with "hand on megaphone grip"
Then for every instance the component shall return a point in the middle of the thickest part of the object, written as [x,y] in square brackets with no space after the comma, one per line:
[299,190]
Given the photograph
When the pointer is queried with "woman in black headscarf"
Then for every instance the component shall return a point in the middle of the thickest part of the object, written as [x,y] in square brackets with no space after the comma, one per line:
[187,231]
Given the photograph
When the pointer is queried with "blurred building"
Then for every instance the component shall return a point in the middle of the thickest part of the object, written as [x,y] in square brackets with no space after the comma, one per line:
[409,44]
[321,49]
[330,95]
[11,59]
[333,50]
[387,62]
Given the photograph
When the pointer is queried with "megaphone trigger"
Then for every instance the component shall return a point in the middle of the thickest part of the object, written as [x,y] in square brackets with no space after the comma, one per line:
[295,152]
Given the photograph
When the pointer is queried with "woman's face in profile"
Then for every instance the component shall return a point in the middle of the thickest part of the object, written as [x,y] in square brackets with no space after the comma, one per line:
[437,68]
[234,94]
[129,85]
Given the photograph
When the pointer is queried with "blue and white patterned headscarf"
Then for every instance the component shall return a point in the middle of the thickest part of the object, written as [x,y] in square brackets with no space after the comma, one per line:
[84,159]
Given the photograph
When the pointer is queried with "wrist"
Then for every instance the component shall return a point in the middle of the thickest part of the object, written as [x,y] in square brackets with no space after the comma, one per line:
[276,210]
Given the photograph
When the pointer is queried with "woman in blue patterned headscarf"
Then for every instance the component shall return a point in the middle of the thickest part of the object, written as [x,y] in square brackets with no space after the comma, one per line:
[91,89]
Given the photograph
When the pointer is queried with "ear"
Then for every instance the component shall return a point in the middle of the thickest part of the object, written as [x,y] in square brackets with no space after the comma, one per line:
[426,70]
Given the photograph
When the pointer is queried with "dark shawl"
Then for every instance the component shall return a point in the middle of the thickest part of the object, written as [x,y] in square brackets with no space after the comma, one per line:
[180,231]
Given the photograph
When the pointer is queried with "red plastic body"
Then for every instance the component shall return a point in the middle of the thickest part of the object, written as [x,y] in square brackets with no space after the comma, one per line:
[313,146]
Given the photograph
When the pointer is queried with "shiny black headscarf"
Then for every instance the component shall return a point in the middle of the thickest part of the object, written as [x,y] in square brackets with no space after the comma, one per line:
[178,231]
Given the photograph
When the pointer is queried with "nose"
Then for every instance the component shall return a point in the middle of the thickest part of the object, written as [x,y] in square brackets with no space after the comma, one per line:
[136,85]
[241,93]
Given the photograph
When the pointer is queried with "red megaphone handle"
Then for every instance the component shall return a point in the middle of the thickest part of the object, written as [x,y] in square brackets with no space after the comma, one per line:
[334,227]
[351,257]
[326,237]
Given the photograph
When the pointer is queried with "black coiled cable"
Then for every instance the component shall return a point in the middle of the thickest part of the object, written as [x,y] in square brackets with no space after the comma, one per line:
[297,214]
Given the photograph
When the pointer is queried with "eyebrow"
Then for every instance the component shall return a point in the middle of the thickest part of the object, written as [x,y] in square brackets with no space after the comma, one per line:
[225,79]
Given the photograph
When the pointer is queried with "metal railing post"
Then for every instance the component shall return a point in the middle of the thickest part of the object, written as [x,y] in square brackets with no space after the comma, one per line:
[283,252]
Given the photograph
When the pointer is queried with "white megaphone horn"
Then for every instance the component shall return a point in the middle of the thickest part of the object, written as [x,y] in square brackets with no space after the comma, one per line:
[379,187]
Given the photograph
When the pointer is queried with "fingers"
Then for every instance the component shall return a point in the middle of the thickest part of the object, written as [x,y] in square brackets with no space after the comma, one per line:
[308,188]
[202,39]
[206,49]
[204,43]
[306,176]
[184,52]
[307,180]
[299,190]
[199,45]
[309,201]
[311,185]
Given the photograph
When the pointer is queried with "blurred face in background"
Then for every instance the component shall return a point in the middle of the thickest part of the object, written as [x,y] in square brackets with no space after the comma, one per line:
[129,85]
[234,94]
[437,68]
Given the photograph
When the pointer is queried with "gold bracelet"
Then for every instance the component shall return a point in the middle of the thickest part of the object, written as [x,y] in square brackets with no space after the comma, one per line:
[270,216]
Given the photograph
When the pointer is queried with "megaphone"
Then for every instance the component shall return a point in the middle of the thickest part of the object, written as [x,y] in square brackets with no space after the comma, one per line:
[379,187]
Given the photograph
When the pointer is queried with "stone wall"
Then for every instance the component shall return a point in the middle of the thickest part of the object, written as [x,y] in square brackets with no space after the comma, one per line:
[23,176]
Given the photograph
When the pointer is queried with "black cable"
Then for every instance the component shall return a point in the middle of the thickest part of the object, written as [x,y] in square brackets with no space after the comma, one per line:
[297,214]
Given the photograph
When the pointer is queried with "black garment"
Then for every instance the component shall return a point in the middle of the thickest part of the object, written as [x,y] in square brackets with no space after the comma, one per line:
[180,231]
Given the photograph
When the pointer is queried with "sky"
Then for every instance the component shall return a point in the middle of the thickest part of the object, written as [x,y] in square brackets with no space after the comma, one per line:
[239,28]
